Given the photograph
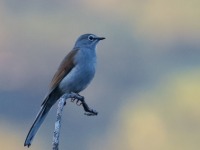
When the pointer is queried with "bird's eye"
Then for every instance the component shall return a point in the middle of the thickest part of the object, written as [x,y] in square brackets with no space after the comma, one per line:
[91,37]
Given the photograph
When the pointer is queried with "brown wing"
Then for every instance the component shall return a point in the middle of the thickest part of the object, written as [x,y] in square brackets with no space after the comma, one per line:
[65,67]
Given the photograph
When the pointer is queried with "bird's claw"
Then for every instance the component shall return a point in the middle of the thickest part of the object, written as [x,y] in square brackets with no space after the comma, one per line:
[78,102]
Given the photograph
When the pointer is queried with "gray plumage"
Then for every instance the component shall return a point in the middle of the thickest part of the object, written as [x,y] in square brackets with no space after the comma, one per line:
[73,75]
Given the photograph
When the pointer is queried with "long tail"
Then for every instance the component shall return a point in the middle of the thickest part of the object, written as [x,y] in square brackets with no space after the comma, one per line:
[37,123]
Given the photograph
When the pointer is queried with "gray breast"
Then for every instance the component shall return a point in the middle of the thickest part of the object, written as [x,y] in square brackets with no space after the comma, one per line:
[80,76]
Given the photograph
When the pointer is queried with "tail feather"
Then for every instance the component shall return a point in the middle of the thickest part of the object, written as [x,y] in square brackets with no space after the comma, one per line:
[37,123]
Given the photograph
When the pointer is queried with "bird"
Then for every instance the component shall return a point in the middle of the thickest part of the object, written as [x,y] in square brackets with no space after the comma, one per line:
[73,75]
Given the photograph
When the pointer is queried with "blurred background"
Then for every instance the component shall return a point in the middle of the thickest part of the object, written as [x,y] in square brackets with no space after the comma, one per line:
[147,84]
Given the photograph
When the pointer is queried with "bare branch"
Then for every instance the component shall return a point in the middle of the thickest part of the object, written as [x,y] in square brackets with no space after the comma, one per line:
[61,104]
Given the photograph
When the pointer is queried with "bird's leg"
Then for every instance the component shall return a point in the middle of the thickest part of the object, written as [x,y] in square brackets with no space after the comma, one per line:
[88,111]
[79,101]
[76,97]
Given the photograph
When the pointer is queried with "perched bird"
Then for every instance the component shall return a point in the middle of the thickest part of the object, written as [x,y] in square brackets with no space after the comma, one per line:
[73,75]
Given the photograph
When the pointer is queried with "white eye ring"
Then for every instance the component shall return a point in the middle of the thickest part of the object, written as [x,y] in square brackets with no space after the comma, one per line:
[91,37]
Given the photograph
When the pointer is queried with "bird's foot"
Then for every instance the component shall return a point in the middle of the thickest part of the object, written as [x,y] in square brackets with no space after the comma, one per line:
[80,101]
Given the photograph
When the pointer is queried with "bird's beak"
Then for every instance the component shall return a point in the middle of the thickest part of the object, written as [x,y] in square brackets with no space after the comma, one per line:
[100,38]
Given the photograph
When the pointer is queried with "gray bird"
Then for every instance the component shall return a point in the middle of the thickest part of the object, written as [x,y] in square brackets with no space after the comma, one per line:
[73,75]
